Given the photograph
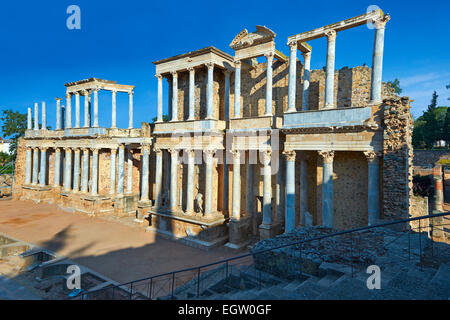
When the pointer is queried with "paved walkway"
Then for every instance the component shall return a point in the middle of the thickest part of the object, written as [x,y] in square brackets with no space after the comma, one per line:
[120,252]
[12,290]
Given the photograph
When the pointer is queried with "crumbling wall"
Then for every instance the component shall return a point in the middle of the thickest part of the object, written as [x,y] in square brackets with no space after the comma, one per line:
[19,169]
[397,158]
[428,158]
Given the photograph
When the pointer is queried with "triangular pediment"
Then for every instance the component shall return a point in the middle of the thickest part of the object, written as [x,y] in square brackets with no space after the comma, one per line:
[244,39]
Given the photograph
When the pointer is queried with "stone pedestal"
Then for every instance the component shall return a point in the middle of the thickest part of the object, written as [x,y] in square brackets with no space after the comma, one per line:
[92,204]
[125,205]
[38,193]
[238,231]
[142,210]
[269,231]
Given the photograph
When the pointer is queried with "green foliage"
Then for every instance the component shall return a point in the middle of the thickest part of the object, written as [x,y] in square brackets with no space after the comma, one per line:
[165,118]
[4,158]
[395,84]
[14,125]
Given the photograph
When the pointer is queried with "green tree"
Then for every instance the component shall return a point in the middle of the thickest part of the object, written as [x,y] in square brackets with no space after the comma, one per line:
[446,127]
[395,84]
[165,118]
[430,128]
[14,125]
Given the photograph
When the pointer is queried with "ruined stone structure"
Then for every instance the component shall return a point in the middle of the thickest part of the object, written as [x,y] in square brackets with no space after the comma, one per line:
[251,148]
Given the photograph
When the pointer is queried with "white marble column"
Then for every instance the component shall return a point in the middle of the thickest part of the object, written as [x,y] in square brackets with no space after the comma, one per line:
[58,113]
[68,110]
[67,169]
[112,171]
[129,170]
[377,60]
[76,170]
[236,194]
[174,96]
[85,171]
[28,166]
[373,200]
[306,76]
[173,179]
[114,109]
[227,94]
[121,170]
[77,110]
[94,190]
[210,91]
[158,177]
[327,189]
[303,189]
[35,166]
[145,172]
[160,98]
[36,116]
[290,191]
[209,180]
[250,188]
[190,182]
[44,116]
[95,125]
[292,76]
[87,107]
[329,77]
[29,119]
[57,175]
[269,81]
[267,189]
[191,93]
[130,109]
[237,90]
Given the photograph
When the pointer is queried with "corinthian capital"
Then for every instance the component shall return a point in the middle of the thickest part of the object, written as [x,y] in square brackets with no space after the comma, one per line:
[266,156]
[290,155]
[293,45]
[327,156]
[331,34]
[372,156]
[380,22]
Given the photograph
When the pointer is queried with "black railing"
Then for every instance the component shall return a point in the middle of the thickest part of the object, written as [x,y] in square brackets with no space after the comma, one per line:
[358,248]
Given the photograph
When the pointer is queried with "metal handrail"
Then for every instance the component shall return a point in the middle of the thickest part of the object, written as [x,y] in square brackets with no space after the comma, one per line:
[350,231]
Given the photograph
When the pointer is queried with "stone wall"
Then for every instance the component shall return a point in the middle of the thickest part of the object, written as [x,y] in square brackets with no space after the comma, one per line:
[419,207]
[428,158]
[397,158]
[19,169]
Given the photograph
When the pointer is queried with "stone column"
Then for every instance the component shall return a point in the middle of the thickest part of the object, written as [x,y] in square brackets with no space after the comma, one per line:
[190,182]
[120,170]
[191,93]
[377,59]
[44,115]
[68,110]
[112,171]
[306,75]
[68,169]
[77,109]
[76,170]
[250,188]
[227,94]
[29,119]
[236,195]
[95,125]
[114,112]
[174,96]
[130,109]
[329,78]
[237,90]
[63,116]
[292,76]
[87,113]
[209,181]
[56,177]
[58,113]
[160,98]
[158,177]
[35,166]
[327,189]
[303,190]
[28,166]
[129,170]
[173,179]
[85,171]
[94,190]
[269,80]
[209,91]
[279,199]
[145,172]
[373,201]
[290,191]
[267,190]
[438,194]
[36,116]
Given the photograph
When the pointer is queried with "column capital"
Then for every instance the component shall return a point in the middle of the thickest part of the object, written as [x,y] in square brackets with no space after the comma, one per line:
[77,93]
[210,65]
[145,147]
[380,22]
[67,149]
[372,156]
[209,152]
[43,148]
[331,34]
[191,69]
[96,89]
[113,151]
[131,92]
[173,151]
[156,150]
[159,76]
[266,156]
[290,155]
[269,55]
[76,150]
[292,45]
[227,71]
[237,63]
[57,149]
[114,90]
[327,155]
[236,153]
[174,74]
[306,55]
[58,99]
[122,147]
[68,95]
[95,150]
[86,92]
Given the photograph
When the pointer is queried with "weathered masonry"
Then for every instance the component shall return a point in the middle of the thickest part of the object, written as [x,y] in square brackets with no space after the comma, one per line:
[255,144]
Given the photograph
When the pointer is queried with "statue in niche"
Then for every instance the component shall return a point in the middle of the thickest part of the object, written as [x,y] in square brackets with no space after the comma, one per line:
[198,201]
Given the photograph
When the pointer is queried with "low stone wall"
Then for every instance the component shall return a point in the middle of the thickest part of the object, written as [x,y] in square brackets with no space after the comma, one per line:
[6,181]
[419,207]
[428,158]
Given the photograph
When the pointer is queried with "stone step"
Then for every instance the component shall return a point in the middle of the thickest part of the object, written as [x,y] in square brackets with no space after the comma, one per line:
[309,290]
[291,286]
[328,280]
[347,288]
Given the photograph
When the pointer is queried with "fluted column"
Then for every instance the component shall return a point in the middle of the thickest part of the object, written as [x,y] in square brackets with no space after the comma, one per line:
[290,191]
[129,170]
[174,96]
[267,189]
[44,115]
[57,177]
[377,60]
[209,181]
[85,171]
[68,110]
[269,80]
[112,171]
[236,195]
[58,113]
[29,119]
[43,171]
[76,170]
[190,182]
[160,98]
[227,94]
[209,91]
[303,189]
[306,76]
[35,166]
[327,189]
[94,190]
[67,169]
[130,109]
[77,109]
[191,93]
[121,170]
[329,78]
[145,172]
[36,116]
[173,179]
[237,90]
[158,177]
[95,125]
[87,113]
[28,166]
[114,109]
[373,187]
[250,188]
[292,76]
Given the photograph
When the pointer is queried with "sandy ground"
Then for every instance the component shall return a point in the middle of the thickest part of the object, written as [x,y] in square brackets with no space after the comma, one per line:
[118,251]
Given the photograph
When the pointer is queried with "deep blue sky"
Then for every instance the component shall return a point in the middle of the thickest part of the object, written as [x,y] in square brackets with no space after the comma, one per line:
[119,40]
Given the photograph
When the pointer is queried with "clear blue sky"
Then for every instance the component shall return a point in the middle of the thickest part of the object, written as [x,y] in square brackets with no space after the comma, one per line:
[119,40]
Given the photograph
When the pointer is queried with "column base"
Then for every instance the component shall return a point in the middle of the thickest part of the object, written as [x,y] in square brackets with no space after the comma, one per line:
[142,208]
[239,231]
[269,231]
[329,106]
[290,110]
[375,102]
